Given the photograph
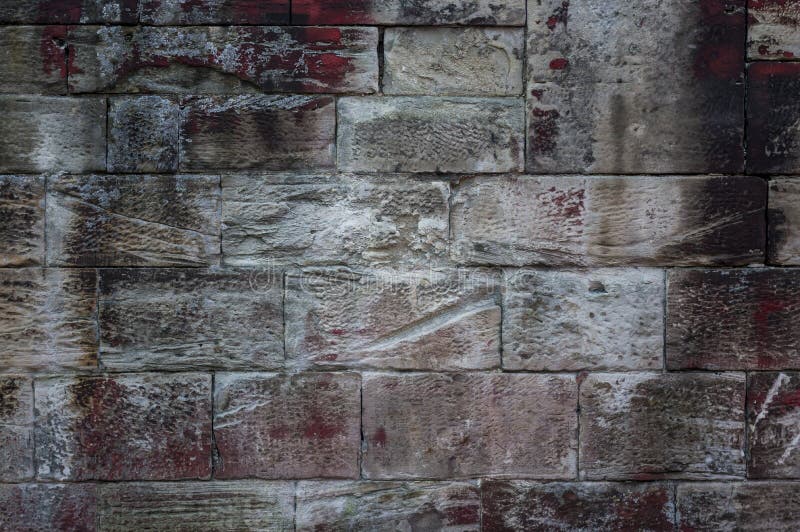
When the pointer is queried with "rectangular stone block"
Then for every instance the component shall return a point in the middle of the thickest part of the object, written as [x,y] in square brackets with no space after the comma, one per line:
[31,507]
[52,134]
[22,213]
[523,505]
[165,12]
[257,133]
[658,91]
[608,221]
[47,319]
[179,319]
[295,426]
[773,111]
[428,134]
[223,59]
[16,436]
[399,12]
[644,426]
[783,221]
[69,11]
[772,29]
[133,220]
[439,320]
[557,320]
[468,425]
[124,427]
[388,506]
[773,407]
[144,134]
[733,319]
[453,61]
[33,59]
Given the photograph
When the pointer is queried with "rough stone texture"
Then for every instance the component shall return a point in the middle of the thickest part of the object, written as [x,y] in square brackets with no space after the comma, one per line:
[773,114]
[773,413]
[592,221]
[243,505]
[33,59]
[783,221]
[427,134]
[21,220]
[425,320]
[733,319]
[573,320]
[125,427]
[467,425]
[773,29]
[69,11]
[409,12]
[143,134]
[655,87]
[525,505]
[35,507]
[645,426]
[213,12]
[287,426]
[47,319]
[453,61]
[258,133]
[133,221]
[223,59]
[47,133]
[388,506]
[179,319]
[16,429]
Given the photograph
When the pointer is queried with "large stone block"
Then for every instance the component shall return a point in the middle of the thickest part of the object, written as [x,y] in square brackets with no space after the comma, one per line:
[772,29]
[773,112]
[783,221]
[773,409]
[22,216]
[143,134]
[34,507]
[16,436]
[403,12]
[214,12]
[69,11]
[33,59]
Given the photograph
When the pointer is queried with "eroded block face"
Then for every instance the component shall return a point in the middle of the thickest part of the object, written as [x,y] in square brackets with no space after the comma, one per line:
[143,134]
[16,437]
[414,12]
[69,11]
[34,59]
[773,112]
[177,12]
[47,506]
[773,412]
[22,216]
[783,221]
[772,29]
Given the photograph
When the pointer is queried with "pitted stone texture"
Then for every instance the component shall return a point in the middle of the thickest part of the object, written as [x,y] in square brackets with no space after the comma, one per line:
[143,134]
[124,427]
[47,319]
[133,221]
[165,12]
[16,436]
[655,87]
[453,61]
[287,426]
[317,219]
[773,29]
[773,114]
[257,133]
[608,221]
[574,320]
[524,505]
[410,12]
[33,59]
[223,59]
[733,319]
[183,319]
[468,425]
[48,133]
[783,221]
[34,507]
[428,134]
[69,11]
[21,220]
[388,506]
[773,417]
[243,505]
[426,320]
[644,426]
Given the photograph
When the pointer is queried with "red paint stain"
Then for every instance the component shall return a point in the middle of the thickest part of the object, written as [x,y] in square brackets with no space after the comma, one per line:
[337,332]
[544,131]
[379,438]
[718,55]
[280,432]
[64,11]
[52,49]
[319,429]
[559,64]
[559,16]
[332,12]
[462,515]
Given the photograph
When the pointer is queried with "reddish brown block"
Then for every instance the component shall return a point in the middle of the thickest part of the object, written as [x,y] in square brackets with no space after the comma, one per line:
[177,12]
[16,429]
[402,12]
[22,214]
[773,29]
[773,410]
[36,507]
[773,111]
[69,11]
[33,59]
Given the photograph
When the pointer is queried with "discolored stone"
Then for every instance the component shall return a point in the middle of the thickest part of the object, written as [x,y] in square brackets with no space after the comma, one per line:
[409,12]
[645,426]
[69,11]
[783,221]
[773,411]
[33,59]
[133,220]
[143,134]
[467,425]
[124,427]
[453,61]
[608,221]
[428,134]
[773,112]
[556,320]
[21,220]
[33,507]
[428,320]
[388,506]
[268,425]
[16,430]
[181,319]
[773,29]
[214,12]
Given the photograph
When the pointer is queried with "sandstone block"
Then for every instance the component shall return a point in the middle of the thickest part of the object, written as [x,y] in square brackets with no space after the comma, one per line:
[69,11]
[143,134]
[33,507]
[22,214]
[396,12]
[773,407]
[33,59]
[783,221]
[16,438]
[772,29]
[162,12]
[773,111]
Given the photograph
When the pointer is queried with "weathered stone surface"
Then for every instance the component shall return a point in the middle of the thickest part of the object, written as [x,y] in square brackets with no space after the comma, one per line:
[783,221]
[124,427]
[467,425]
[133,221]
[733,319]
[592,221]
[258,133]
[773,417]
[388,506]
[143,134]
[277,426]
[243,505]
[16,429]
[572,320]
[33,59]
[427,134]
[414,12]
[426,320]
[223,59]
[69,11]
[662,425]
[34,507]
[47,133]
[773,29]
[655,87]
[214,12]
[179,319]
[773,112]
[21,220]
[453,61]
[47,319]
[524,505]
[317,219]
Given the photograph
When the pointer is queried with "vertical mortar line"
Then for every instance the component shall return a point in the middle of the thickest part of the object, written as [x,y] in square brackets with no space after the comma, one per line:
[675,524]
[46,188]
[213,435]
[381,57]
[97,335]
[664,321]
[579,380]
[744,80]
[525,92]
[335,135]
[502,302]
[766,222]
[219,212]
[108,128]
[34,458]
[363,442]
[746,428]
[284,287]
[294,502]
